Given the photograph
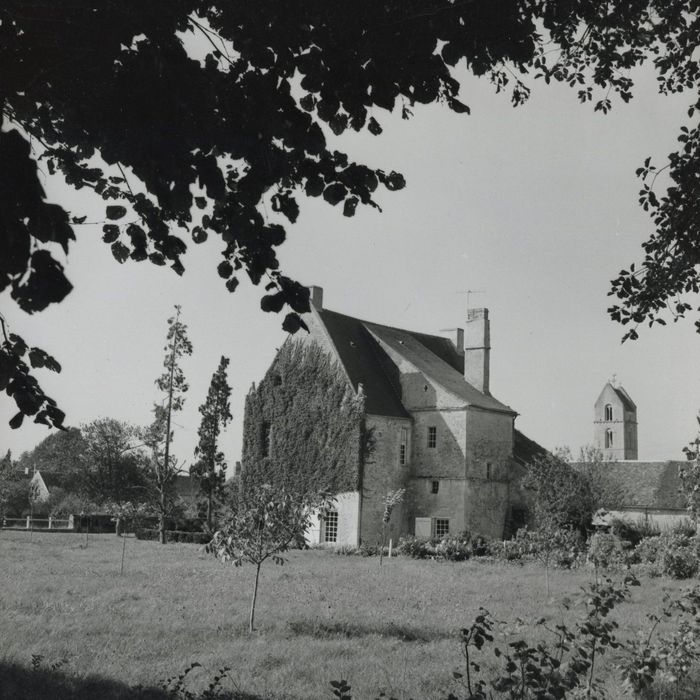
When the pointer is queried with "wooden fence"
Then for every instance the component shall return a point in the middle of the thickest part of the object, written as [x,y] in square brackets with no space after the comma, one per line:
[30,523]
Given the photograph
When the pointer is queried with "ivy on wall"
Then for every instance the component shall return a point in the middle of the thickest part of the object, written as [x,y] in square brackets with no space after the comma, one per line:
[304,425]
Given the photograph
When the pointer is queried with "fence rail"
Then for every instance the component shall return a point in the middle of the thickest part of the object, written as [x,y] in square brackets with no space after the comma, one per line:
[30,523]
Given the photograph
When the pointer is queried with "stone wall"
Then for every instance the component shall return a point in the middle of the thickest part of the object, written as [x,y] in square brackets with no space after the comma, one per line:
[448,458]
[381,474]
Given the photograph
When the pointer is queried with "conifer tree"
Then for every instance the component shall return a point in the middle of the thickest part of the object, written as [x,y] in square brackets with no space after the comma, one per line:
[210,467]
[158,436]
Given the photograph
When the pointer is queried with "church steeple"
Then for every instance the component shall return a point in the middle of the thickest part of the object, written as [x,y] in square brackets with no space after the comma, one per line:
[615,423]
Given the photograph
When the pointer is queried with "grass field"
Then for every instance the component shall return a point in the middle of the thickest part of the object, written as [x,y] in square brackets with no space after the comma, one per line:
[320,617]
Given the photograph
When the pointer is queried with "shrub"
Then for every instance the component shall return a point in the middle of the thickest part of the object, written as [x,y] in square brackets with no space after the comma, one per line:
[606,551]
[679,558]
[685,527]
[647,551]
[506,550]
[413,547]
[144,533]
[454,548]
[634,532]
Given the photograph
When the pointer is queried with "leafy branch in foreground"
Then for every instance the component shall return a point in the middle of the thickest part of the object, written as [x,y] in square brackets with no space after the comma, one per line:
[98,98]
[17,381]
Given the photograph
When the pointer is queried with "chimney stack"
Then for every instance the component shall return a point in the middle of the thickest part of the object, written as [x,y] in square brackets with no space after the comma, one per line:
[477,349]
[456,336]
[316,297]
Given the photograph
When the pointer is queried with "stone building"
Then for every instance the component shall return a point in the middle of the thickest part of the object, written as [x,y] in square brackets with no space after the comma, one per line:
[651,489]
[615,423]
[437,431]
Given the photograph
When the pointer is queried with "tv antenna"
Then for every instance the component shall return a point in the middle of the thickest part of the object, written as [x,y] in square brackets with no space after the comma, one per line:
[469,292]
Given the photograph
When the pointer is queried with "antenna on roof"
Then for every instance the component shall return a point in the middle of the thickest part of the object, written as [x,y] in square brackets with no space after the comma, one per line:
[469,292]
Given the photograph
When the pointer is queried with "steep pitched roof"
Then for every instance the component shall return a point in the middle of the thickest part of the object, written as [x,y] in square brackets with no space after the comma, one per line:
[358,344]
[649,484]
[525,449]
[365,363]
[621,394]
[625,398]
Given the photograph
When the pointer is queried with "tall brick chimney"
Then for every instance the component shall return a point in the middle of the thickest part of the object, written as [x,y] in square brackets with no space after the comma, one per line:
[477,349]
[316,297]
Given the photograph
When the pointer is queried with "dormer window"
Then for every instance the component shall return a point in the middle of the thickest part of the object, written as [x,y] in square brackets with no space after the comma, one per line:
[608,412]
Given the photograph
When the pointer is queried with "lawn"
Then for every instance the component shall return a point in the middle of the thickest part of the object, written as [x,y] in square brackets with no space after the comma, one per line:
[320,616]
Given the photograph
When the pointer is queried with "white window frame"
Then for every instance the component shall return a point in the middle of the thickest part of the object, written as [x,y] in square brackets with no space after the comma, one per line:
[330,526]
[444,527]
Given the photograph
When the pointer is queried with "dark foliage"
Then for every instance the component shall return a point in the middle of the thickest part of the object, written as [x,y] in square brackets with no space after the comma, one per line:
[304,426]
[210,468]
[59,454]
[86,79]
[173,536]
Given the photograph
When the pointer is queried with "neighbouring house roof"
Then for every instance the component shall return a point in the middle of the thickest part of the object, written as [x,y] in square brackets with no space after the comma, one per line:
[652,485]
[359,347]
[526,450]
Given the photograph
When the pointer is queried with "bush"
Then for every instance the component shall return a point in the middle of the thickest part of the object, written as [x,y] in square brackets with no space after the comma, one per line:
[506,550]
[634,532]
[679,556]
[607,551]
[648,550]
[454,548]
[685,527]
[411,546]
[173,536]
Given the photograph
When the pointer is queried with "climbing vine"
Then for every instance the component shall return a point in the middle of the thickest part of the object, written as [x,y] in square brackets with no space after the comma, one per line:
[304,425]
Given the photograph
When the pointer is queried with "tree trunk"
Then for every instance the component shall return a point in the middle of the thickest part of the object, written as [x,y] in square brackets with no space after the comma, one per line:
[251,622]
[209,498]
[166,457]
[161,528]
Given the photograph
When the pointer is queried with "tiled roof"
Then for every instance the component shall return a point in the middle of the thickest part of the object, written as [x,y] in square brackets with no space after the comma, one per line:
[365,363]
[525,449]
[625,398]
[652,485]
[358,344]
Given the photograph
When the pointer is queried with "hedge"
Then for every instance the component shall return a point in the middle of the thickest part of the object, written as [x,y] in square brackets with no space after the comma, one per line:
[174,536]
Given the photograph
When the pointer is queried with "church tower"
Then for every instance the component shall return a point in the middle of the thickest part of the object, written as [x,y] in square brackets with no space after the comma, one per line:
[615,423]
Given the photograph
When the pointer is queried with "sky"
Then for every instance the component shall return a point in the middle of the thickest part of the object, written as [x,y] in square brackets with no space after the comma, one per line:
[536,207]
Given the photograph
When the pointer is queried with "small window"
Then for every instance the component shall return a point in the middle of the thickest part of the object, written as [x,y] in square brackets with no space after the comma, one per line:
[432,436]
[266,439]
[403,447]
[442,527]
[488,470]
[608,412]
[330,526]
[608,438]
[435,487]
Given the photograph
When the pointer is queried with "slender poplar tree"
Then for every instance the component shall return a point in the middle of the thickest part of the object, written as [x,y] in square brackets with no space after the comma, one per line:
[158,436]
[210,467]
